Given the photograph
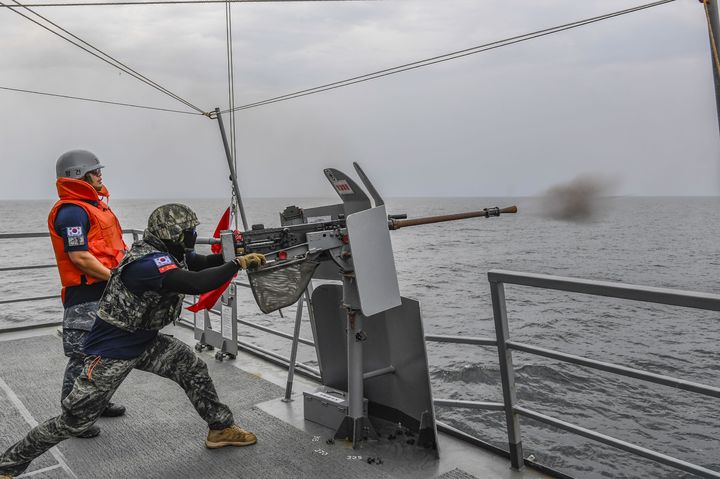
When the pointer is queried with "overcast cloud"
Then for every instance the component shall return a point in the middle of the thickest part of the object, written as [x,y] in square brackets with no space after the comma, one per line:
[630,98]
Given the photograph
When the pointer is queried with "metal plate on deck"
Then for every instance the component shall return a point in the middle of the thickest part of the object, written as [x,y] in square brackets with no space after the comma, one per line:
[327,407]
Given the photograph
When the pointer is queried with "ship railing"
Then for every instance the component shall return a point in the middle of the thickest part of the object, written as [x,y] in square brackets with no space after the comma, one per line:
[513,411]
[255,349]
[505,346]
[264,353]
[10,236]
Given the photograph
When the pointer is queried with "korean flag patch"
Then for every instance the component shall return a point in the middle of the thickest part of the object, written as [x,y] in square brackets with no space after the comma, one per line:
[164,263]
[75,236]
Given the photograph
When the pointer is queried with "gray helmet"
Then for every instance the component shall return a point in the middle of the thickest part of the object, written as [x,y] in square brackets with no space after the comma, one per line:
[76,163]
[169,221]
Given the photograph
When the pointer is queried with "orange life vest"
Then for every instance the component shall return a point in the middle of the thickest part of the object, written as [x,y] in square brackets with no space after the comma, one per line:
[104,239]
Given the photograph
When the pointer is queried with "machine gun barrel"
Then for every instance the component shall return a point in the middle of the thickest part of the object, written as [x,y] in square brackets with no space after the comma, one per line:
[484,213]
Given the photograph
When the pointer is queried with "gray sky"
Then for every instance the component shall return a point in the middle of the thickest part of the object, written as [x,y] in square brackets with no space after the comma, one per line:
[630,99]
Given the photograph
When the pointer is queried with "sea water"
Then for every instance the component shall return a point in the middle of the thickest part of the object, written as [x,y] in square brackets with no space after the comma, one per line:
[662,242]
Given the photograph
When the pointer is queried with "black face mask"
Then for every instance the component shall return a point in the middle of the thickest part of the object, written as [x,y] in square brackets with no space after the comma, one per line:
[188,238]
[175,249]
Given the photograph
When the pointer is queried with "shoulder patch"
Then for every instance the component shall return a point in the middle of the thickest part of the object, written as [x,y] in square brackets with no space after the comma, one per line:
[74,231]
[164,263]
[75,236]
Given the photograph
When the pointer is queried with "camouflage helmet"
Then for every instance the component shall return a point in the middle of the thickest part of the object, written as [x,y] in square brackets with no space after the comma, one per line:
[168,222]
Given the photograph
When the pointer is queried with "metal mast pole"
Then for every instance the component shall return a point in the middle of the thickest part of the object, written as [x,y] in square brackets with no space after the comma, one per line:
[233,176]
[714,33]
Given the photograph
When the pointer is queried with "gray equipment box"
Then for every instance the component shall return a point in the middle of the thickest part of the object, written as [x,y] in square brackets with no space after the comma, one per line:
[327,407]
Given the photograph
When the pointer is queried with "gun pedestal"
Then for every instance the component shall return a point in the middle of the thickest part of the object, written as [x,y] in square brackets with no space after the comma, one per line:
[356,426]
[369,287]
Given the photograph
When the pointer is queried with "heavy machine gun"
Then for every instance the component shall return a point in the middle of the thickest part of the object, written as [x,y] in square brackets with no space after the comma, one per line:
[298,237]
[315,242]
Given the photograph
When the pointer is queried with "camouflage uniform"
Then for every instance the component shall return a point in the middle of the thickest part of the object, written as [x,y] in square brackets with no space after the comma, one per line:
[166,356]
[77,321]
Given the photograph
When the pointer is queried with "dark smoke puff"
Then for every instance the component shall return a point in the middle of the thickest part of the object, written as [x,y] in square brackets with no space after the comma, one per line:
[576,200]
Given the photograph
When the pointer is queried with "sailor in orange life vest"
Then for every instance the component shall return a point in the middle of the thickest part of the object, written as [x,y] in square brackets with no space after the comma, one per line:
[88,243]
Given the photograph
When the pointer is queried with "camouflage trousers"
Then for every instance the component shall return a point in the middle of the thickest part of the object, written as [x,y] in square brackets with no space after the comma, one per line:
[77,322]
[167,357]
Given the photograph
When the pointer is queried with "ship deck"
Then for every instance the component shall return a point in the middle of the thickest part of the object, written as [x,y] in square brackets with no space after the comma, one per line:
[161,436]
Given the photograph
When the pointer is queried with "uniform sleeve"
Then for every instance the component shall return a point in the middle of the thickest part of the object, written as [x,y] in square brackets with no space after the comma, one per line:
[148,273]
[73,224]
[198,282]
[198,262]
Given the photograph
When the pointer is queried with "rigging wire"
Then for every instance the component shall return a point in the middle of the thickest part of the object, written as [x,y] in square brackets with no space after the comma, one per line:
[94,100]
[231,79]
[231,102]
[713,46]
[447,56]
[100,54]
[167,2]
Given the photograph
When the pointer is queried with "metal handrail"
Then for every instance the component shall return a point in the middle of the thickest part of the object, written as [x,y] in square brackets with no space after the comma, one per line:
[22,300]
[257,326]
[688,299]
[45,234]
[3,236]
[135,233]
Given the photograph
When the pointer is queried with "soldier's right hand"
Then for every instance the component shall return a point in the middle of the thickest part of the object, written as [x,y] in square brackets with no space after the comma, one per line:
[250,261]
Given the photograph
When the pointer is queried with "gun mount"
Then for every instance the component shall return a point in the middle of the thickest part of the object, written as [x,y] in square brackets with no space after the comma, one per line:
[350,242]
[318,230]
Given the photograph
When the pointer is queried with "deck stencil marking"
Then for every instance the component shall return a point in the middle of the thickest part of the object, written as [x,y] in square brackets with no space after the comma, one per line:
[32,422]
[39,471]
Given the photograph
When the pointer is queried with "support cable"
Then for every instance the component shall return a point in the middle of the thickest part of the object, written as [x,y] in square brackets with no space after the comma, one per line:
[447,56]
[57,95]
[231,103]
[167,2]
[100,54]
[713,45]
[231,81]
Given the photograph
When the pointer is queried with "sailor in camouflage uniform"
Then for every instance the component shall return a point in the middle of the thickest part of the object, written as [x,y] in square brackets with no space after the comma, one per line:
[145,293]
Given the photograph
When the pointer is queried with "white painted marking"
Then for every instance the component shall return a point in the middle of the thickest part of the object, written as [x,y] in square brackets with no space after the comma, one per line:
[39,471]
[32,422]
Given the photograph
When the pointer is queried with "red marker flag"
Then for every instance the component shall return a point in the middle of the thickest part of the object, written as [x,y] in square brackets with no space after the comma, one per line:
[208,300]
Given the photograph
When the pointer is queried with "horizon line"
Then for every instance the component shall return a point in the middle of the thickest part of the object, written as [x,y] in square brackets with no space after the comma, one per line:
[385,197]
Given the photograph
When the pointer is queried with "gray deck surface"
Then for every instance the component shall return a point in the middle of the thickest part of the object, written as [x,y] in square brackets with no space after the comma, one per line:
[162,436]
[456,474]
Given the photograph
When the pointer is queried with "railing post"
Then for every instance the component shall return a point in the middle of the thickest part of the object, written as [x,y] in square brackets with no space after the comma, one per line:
[305,298]
[507,374]
[293,350]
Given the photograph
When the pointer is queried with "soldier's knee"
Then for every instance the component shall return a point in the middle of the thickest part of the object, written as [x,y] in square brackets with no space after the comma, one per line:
[77,424]
[199,367]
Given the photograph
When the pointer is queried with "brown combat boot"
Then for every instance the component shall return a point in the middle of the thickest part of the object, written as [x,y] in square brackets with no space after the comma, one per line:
[230,436]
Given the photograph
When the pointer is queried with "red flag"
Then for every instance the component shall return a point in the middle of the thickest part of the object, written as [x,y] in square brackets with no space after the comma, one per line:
[208,300]
[223,224]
